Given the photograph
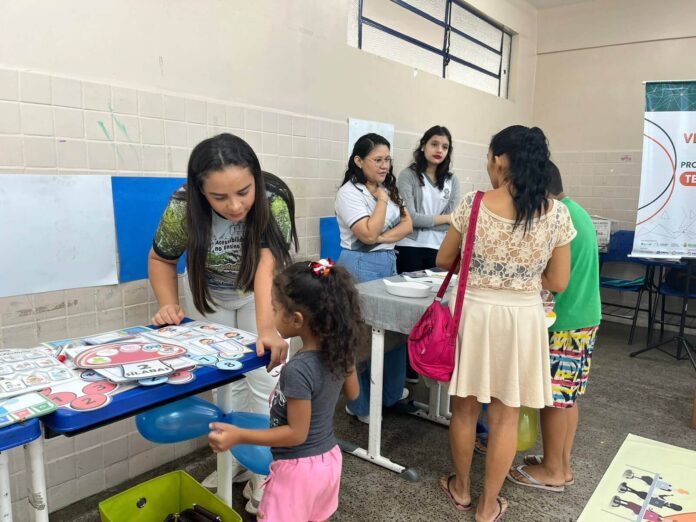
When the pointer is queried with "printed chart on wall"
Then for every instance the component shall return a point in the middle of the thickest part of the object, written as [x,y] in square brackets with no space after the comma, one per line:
[666,219]
[358,128]
[647,480]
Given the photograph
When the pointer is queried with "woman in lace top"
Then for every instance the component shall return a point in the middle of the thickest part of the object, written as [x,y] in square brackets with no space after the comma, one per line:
[522,244]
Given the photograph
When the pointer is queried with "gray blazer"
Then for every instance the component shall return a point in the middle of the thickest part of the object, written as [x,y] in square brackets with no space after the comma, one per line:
[411,192]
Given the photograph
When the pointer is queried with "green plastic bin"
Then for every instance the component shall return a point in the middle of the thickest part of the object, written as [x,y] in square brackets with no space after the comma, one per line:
[153,500]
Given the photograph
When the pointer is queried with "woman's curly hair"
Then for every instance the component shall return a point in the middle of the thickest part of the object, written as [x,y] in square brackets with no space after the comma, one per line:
[331,305]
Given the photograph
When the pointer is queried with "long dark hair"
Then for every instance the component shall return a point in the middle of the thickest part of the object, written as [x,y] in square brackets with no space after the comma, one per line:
[528,153]
[442,172]
[212,155]
[331,306]
[362,148]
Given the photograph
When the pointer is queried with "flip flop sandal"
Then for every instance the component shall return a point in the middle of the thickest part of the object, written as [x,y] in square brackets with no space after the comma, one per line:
[535,460]
[503,506]
[445,486]
[481,445]
[531,482]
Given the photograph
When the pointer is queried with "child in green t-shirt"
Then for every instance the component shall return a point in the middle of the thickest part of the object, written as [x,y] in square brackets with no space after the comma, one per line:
[571,340]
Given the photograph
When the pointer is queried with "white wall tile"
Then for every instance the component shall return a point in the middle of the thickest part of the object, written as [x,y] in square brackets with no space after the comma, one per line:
[115,450]
[34,88]
[195,111]
[37,119]
[134,292]
[62,495]
[84,324]
[299,126]
[216,115]
[116,474]
[126,128]
[235,116]
[253,119]
[313,128]
[270,122]
[152,131]
[9,85]
[21,336]
[96,96]
[255,140]
[270,143]
[71,153]
[174,108]
[99,126]
[124,101]
[150,104]
[39,152]
[67,92]
[196,134]
[177,159]
[154,158]
[91,483]
[101,155]
[175,134]
[10,122]
[129,157]
[284,124]
[68,123]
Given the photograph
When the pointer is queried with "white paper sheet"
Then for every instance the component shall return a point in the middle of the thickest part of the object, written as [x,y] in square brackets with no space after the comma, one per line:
[56,233]
[358,128]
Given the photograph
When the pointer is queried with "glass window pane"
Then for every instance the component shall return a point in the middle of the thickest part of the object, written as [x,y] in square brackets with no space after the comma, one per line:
[505,69]
[388,46]
[474,53]
[472,25]
[468,76]
[435,8]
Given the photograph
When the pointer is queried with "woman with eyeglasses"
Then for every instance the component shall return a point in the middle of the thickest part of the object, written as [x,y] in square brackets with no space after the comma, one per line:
[371,218]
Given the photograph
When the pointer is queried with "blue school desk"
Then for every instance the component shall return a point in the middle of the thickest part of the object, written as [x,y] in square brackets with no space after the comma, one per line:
[68,422]
[27,434]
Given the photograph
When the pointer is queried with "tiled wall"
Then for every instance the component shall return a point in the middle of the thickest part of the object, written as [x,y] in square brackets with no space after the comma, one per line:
[56,125]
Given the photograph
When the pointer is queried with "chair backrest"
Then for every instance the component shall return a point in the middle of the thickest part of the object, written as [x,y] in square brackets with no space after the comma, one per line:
[620,246]
[330,238]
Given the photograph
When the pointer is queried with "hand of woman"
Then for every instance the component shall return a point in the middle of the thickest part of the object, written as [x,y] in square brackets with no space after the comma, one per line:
[168,314]
[382,195]
[276,344]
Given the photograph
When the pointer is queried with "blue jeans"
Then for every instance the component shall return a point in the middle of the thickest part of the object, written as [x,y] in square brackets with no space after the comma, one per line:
[367,266]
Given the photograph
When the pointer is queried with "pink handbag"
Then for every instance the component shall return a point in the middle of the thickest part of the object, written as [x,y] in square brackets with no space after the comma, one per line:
[433,339]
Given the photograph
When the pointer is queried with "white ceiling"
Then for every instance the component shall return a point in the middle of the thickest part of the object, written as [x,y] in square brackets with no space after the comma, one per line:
[543,4]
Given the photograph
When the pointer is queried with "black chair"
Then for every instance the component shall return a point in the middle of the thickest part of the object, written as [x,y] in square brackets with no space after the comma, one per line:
[620,247]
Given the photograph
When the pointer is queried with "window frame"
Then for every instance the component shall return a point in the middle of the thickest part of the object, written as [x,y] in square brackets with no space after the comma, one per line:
[448,29]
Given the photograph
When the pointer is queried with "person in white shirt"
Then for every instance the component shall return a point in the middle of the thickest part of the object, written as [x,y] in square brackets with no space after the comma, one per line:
[371,218]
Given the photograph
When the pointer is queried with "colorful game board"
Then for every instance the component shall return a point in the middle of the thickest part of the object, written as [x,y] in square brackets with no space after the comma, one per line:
[24,407]
[26,370]
[89,340]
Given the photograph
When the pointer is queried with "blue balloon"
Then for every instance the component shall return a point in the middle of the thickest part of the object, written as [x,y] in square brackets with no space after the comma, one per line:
[178,421]
[254,458]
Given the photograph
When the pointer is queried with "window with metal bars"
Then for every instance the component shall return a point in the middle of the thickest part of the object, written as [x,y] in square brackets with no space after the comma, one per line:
[448,38]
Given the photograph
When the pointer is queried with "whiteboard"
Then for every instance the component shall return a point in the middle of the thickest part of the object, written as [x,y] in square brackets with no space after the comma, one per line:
[358,128]
[56,233]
